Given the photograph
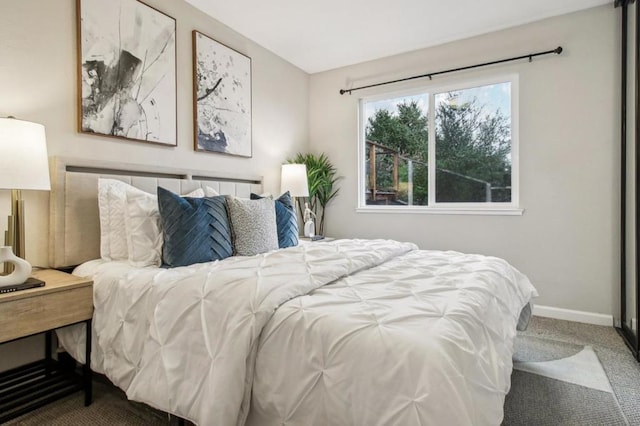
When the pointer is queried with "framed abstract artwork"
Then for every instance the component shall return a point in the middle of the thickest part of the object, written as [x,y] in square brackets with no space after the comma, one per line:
[221,97]
[127,71]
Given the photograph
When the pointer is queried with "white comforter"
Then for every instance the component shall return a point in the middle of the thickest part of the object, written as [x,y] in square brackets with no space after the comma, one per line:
[400,336]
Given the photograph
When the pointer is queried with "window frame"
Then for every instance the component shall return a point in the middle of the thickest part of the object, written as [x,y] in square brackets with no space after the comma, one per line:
[434,207]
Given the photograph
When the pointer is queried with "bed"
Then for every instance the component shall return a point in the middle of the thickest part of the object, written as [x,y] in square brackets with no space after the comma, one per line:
[348,332]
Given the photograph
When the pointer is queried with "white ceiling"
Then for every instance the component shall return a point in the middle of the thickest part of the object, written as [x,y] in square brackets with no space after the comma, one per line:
[325,34]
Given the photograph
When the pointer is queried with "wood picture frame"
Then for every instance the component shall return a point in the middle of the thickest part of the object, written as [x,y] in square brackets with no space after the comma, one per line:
[127,68]
[221,98]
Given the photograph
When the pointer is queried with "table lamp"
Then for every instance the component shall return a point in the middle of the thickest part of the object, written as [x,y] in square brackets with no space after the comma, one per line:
[294,180]
[24,164]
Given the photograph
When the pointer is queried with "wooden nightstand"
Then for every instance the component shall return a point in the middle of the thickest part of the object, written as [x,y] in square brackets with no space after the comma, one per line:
[64,300]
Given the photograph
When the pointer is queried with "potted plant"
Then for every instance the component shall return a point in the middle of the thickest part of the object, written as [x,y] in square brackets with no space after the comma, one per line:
[321,174]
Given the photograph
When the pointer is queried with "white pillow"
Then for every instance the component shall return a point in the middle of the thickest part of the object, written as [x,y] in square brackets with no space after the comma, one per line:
[111,199]
[210,192]
[143,229]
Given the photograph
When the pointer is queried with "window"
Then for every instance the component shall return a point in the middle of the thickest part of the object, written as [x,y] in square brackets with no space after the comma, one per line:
[448,149]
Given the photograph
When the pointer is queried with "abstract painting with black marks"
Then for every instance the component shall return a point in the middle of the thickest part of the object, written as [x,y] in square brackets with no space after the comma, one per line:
[128,71]
[222,98]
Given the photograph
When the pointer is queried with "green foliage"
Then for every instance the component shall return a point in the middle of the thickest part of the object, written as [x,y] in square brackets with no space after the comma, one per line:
[472,147]
[321,174]
[406,133]
[474,144]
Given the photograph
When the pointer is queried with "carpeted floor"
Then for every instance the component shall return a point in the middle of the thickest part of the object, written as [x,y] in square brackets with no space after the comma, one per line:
[109,407]
[567,373]
[564,374]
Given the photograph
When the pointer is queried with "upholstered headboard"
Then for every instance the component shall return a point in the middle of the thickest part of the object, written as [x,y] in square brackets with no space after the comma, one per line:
[74,235]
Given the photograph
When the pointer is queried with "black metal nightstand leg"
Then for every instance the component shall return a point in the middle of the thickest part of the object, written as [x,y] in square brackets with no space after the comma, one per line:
[47,345]
[47,352]
[87,374]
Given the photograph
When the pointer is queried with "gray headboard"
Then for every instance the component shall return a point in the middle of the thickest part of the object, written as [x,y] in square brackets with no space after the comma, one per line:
[74,234]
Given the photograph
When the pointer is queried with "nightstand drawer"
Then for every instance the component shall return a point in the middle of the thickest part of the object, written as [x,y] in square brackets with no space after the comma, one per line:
[41,312]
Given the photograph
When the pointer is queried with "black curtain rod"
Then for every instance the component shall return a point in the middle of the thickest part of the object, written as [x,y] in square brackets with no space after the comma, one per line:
[557,51]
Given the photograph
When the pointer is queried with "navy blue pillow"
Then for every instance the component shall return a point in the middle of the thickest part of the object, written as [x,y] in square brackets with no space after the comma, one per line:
[195,230]
[286,220]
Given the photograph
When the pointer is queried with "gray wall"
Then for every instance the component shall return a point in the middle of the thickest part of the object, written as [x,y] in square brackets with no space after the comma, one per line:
[38,68]
[567,239]
[38,82]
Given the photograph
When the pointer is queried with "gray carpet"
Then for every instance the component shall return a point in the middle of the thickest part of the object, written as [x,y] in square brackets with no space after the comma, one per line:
[109,407]
[534,399]
[538,400]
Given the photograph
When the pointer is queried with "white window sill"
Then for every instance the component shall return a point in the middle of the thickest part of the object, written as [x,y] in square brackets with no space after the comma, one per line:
[486,211]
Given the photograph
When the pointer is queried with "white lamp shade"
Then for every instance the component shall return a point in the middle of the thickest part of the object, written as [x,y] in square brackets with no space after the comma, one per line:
[294,180]
[24,163]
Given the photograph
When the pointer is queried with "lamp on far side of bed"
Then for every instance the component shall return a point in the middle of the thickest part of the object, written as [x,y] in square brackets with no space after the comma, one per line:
[24,164]
[294,179]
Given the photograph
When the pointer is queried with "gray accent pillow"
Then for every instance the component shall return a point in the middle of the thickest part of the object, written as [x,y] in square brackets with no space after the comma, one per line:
[253,225]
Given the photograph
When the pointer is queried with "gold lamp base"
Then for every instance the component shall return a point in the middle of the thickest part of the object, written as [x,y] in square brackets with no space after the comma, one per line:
[14,236]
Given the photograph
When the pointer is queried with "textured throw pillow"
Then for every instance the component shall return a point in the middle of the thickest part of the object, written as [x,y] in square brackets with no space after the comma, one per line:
[143,228]
[195,230]
[254,225]
[111,200]
[286,220]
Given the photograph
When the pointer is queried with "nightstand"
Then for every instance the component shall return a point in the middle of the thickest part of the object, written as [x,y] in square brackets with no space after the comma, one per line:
[309,240]
[64,300]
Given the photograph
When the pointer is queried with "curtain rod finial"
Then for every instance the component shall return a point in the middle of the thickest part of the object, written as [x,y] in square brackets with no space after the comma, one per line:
[343,91]
[558,50]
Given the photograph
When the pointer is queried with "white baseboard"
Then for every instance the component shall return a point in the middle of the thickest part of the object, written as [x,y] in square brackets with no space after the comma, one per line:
[571,315]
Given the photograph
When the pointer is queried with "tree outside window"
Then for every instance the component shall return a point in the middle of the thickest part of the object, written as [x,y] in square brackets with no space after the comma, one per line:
[471,133]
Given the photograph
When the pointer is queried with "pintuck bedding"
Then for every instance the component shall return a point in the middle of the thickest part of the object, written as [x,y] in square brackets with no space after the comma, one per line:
[350,332]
